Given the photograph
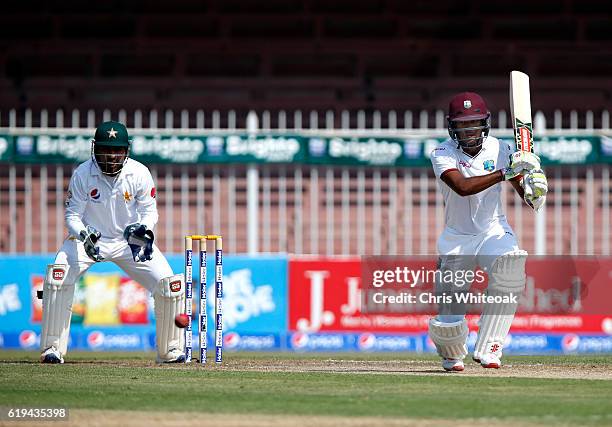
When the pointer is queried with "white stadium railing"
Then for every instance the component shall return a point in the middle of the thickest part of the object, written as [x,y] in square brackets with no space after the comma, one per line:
[328,210]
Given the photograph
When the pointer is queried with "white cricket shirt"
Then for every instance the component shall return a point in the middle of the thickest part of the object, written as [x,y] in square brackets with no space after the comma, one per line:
[110,205]
[477,213]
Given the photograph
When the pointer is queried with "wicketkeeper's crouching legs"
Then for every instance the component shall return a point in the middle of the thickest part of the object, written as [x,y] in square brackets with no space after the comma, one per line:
[506,278]
[169,301]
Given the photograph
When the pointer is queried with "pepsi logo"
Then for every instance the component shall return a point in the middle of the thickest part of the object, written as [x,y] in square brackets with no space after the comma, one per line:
[231,340]
[299,340]
[366,341]
[95,194]
[570,342]
[58,273]
[95,339]
[153,192]
[175,286]
[27,339]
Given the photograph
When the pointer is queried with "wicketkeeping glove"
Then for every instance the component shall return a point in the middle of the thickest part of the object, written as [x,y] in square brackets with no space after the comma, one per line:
[90,237]
[140,241]
[520,162]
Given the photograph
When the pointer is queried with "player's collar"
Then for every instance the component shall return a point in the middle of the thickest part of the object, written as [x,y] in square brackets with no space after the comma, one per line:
[483,148]
[472,156]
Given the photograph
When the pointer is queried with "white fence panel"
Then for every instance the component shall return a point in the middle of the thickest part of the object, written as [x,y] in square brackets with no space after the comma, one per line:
[301,209]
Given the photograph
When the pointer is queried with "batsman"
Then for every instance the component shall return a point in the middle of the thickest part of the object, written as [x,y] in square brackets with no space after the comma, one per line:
[471,168]
[110,214]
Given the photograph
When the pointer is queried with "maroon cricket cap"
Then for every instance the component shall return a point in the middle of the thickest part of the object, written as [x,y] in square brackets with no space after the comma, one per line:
[467,106]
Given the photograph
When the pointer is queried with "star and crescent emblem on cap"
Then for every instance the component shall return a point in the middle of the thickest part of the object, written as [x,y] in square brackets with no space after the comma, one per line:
[112,133]
[467,104]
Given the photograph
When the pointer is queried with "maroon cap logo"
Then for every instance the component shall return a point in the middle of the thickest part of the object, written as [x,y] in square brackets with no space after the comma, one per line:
[467,106]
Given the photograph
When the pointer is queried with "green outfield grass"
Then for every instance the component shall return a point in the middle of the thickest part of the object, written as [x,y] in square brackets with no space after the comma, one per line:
[128,381]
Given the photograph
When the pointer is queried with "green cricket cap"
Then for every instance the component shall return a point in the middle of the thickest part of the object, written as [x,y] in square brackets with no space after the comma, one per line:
[113,134]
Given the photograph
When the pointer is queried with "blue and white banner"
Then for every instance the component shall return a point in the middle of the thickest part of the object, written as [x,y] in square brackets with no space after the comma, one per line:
[254,294]
[112,312]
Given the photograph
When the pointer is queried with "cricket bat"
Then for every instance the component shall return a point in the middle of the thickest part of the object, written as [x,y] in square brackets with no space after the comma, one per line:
[520,109]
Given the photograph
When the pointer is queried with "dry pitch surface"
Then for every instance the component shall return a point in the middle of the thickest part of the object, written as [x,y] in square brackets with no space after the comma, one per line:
[310,390]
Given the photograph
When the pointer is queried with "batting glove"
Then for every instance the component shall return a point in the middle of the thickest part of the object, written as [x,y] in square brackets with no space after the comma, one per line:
[535,184]
[536,203]
[520,162]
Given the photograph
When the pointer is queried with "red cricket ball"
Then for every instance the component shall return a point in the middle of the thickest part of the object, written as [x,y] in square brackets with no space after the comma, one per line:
[181,320]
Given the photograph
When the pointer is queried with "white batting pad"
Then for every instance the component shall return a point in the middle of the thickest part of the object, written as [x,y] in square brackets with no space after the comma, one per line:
[169,301]
[57,308]
[449,338]
[507,276]
[508,272]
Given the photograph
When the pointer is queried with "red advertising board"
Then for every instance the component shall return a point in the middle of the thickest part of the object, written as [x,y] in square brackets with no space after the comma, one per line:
[325,294]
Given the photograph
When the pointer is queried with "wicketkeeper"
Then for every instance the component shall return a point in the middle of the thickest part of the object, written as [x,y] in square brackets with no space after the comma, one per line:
[110,213]
[470,167]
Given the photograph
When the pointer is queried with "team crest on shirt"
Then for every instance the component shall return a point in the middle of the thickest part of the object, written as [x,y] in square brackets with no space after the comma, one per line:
[127,196]
[489,165]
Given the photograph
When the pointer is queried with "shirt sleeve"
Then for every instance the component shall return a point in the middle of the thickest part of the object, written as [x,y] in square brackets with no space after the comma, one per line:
[76,202]
[146,203]
[442,160]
